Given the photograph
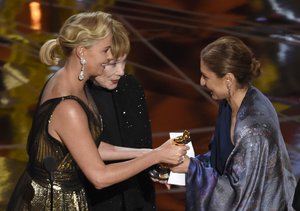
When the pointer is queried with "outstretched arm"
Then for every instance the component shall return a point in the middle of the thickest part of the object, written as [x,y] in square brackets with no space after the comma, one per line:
[69,124]
[110,152]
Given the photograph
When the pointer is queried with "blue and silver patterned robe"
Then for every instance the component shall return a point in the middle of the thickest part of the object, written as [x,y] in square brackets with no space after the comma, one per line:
[257,174]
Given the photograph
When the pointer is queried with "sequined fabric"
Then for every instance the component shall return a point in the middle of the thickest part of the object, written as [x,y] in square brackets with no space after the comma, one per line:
[33,188]
[257,173]
[125,123]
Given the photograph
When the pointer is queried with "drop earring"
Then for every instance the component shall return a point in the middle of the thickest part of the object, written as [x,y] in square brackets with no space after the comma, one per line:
[228,90]
[81,74]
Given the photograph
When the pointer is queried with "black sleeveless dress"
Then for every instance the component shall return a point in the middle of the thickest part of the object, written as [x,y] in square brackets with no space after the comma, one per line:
[34,190]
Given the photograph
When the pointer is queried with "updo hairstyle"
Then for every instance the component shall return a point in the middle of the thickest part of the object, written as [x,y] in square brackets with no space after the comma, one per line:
[83,29]
[229,54]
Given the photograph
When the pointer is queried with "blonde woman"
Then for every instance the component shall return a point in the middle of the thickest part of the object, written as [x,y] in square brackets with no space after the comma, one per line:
[64,139]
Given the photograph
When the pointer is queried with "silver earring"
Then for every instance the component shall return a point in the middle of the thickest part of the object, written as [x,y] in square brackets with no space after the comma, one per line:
[81,74]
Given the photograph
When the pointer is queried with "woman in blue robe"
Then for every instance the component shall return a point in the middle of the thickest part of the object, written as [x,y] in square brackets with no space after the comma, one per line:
[247,166]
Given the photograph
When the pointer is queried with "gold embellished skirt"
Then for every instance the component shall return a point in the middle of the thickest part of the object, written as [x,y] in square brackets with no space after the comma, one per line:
[33,195]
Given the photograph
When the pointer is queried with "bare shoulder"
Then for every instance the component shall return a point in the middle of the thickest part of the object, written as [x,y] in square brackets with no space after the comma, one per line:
[68,121]
[69,109]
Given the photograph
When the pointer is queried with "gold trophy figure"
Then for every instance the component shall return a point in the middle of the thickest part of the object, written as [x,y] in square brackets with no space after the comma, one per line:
[161,171]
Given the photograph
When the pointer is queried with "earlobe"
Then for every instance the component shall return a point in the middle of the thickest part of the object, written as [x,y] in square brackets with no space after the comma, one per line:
[229,78]
[79,52]
[227,81]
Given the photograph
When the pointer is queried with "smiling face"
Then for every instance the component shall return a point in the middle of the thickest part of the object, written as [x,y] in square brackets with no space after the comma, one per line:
[97,56]
[215,85]
[112,73]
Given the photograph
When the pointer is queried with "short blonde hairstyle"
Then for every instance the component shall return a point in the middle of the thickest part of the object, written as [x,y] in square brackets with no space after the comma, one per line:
[120,40]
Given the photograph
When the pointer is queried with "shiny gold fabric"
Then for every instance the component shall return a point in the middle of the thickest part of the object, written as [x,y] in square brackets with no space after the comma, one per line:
[62,199]
[33,191]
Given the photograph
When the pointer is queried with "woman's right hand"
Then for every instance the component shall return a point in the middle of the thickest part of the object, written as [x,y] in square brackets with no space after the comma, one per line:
[170,153]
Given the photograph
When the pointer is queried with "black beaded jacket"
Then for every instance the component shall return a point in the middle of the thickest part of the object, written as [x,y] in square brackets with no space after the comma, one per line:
[125,123]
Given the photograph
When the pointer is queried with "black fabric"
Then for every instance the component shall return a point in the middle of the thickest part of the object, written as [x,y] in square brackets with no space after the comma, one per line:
[296,201]
[104,100]
[32,189]
[126,123]
[221,145]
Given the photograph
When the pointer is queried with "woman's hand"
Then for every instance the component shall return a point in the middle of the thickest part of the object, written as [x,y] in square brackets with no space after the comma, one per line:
[164,182]
[171,153]
[181,168]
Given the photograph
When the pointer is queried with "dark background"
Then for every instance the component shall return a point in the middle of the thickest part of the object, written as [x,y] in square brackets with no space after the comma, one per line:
[166,37]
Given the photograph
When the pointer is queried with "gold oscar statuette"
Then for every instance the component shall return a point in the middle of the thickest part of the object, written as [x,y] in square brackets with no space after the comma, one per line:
[161,171]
